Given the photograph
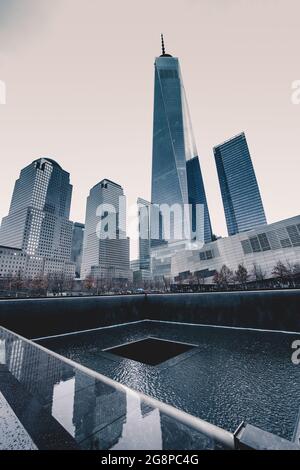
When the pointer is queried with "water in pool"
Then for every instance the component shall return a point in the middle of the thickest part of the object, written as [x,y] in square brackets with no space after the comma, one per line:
[228,376]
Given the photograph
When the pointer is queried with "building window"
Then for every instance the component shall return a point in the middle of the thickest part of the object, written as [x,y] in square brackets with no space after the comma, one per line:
[264,242]
[255,244]
[246,245]
[286,243]
[294,235]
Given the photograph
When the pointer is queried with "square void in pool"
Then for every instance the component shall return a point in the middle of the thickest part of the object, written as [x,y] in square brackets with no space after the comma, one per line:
[150,351]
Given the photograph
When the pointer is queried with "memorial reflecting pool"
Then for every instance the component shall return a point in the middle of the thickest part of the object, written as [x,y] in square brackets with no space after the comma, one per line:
[224,376]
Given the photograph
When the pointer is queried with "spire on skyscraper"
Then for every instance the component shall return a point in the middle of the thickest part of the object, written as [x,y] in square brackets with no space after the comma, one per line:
[163,45]
[163,48]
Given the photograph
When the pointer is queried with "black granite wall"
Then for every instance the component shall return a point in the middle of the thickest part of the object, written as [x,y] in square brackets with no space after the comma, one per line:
[277,310]
[44,317]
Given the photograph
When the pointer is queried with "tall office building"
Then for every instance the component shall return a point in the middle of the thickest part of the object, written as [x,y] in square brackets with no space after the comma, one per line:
[173,143]
[240,192]
[38,220]
[197,197]
[77,246]
[144,208]
[105,245]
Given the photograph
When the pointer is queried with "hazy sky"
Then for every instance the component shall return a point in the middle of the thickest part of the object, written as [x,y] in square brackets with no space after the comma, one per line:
[79,77]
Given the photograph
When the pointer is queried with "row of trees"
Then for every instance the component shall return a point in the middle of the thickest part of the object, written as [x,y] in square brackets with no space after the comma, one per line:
[284,275]
[56,283]
[100,285]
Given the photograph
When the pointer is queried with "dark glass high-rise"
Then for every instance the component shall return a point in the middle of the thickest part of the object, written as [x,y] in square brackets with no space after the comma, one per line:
[239,188]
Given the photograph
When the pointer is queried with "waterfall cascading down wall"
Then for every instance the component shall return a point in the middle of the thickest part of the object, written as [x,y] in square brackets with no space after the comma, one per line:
[270,310]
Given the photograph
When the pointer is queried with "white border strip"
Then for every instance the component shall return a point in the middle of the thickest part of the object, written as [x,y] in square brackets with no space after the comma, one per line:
[226,327]
[72,333]
[88,331]
[149,337]
[124,344]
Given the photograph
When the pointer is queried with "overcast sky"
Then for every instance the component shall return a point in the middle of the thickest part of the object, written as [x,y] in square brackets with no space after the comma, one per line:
[79,76]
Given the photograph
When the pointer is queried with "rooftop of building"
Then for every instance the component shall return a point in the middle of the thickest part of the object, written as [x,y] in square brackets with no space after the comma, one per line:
[105,181]
[4,247]
[143,201]
[50,160]
[79,225]
[241,134]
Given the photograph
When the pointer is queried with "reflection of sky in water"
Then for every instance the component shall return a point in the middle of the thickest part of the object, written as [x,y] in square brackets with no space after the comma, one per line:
[147,427]
[62,410]
[2,352]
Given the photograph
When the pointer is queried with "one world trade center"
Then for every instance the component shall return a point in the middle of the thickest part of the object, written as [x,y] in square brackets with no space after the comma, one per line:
[176,174]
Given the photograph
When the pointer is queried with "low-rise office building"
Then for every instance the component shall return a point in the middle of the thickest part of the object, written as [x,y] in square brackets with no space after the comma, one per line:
[262,247]
[16,263]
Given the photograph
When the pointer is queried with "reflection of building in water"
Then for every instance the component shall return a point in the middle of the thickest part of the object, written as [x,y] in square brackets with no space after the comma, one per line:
[115,420]
[96,406]
[63,404]
[142,429]
[15,358]
[36,370]
[2,352]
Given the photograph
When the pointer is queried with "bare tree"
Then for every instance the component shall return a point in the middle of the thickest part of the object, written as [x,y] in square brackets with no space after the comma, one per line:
[166,283]
[89,283]
[68,284]
[57,282]
[296,270]
[200,279]
[99,284]
[39,285]
[217,279]
[8,283]
[17,283]
[223,277]
[241,275]
[282,272]
[226,275]
[293,273]
[257,273]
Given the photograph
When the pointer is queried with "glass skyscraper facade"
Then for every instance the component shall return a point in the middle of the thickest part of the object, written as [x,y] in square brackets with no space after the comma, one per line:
[144,208]
[240,192]
[77,246]
[197,197]
[104,256]
[38,220]
[173,142]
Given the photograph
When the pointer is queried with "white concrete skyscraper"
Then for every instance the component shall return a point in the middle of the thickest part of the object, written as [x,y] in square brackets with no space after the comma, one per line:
[38,219]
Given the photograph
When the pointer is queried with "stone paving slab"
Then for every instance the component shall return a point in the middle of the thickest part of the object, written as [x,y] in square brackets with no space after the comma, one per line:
[13,435]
